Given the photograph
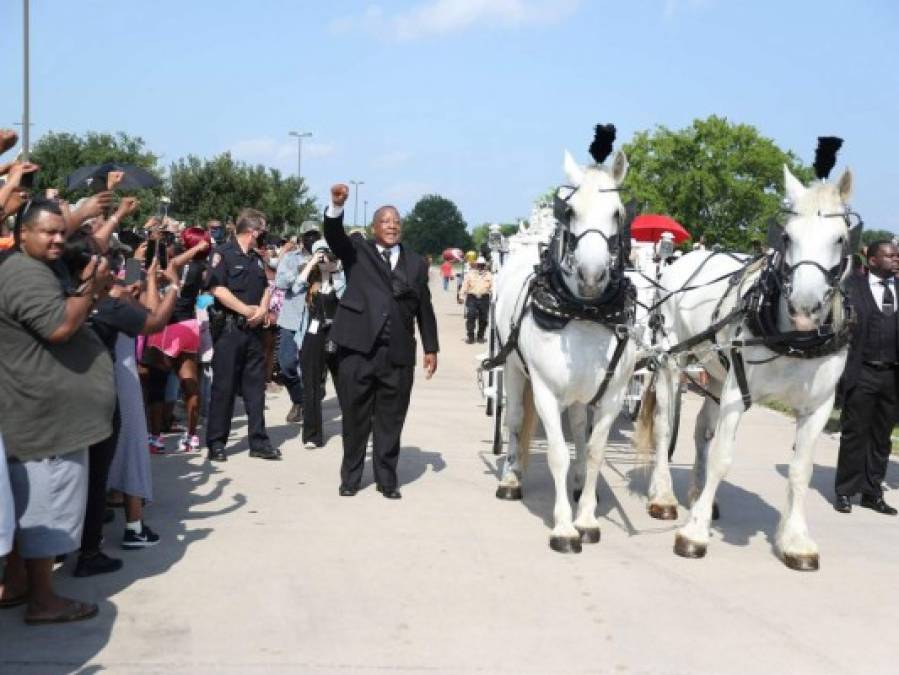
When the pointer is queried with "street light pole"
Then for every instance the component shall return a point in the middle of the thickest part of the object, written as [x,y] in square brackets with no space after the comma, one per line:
[356,183]
[26,125]
[300,136]
[365,213]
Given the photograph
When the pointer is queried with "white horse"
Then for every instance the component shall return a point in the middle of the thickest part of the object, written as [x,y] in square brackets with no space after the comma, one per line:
[563,369]
[815,256]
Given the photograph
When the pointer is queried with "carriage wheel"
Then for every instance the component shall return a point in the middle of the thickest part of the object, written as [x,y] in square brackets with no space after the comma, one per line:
[674,418]
[633,397]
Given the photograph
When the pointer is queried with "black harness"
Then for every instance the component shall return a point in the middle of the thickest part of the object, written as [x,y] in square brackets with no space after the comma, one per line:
[553,306]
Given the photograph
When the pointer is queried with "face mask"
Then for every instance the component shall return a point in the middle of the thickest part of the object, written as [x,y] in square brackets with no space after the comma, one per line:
[218,234]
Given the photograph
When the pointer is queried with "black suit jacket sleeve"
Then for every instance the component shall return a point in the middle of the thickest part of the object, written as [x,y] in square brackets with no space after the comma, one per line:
[427,322]
[338,240]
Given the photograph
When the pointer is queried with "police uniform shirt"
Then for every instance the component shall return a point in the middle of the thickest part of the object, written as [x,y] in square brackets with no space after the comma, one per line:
[241,273]
[477,283]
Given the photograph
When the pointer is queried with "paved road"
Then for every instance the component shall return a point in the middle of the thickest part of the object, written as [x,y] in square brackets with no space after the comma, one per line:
[264,568]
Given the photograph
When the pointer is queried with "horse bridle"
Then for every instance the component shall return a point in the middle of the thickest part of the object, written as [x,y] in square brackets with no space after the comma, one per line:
[783,273]
[564,243]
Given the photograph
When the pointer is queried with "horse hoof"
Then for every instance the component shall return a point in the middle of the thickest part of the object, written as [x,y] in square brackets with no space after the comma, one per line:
[802,563]
[688,549]
[577,495]
[663,511]
[508,492]
[565,544]
[589,535]
[716,514]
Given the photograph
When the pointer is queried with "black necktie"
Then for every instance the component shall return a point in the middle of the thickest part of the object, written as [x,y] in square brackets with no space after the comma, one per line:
[385,253]
[887,304]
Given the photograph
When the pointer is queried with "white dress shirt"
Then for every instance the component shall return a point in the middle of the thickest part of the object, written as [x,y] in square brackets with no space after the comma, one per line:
[876,284]
[394,253]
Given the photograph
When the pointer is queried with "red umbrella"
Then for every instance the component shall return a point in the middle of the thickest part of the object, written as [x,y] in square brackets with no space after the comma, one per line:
[649,227]
[453,255]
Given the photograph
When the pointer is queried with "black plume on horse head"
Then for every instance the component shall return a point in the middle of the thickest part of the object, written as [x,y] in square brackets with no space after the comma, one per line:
[826,155]
[603,138]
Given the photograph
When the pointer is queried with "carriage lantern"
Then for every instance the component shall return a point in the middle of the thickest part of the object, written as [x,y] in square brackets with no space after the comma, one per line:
[495,238]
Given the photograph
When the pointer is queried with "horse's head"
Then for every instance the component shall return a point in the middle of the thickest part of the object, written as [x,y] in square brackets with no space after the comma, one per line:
[816,247]
[591,223]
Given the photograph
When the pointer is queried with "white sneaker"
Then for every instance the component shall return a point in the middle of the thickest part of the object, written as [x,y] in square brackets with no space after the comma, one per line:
[309,445]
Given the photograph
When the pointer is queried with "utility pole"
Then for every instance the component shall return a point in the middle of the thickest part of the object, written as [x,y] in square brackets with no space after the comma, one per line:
[26,121]
[356,183]
[300,136]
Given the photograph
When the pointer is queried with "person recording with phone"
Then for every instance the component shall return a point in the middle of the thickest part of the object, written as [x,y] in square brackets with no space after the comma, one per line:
[238,283]
[318,354]
[175,348]
[292,278]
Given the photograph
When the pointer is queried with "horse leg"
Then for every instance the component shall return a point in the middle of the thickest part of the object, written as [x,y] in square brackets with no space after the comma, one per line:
[513,468]
[586,523]
[577,422]
[703,434]
[796,547]
[662,502]
[565,538]
[693,538]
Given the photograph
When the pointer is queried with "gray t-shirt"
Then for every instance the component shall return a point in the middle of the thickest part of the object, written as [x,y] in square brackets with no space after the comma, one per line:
[54,398]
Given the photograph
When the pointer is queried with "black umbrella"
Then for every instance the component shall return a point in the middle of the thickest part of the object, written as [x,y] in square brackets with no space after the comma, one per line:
[135,178]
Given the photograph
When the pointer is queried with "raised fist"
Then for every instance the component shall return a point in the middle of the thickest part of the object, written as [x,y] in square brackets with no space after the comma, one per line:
[339,194]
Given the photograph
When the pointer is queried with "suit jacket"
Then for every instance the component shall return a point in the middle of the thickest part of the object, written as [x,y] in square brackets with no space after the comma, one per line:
[862,301]
[373,296]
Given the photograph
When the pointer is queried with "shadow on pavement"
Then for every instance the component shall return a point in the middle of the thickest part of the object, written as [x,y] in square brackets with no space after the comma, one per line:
[183,487]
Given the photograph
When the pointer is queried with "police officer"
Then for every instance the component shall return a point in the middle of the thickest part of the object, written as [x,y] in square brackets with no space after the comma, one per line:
[475,290]
[237,281]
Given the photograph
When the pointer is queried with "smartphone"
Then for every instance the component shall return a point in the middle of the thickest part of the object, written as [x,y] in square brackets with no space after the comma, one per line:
[150,253]
[162,254]
[27,182]
[132,271]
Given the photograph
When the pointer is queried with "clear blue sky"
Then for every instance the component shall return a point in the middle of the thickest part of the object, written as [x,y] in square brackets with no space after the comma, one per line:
[472,99]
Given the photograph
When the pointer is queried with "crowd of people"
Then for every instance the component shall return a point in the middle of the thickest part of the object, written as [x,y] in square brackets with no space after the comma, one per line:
[111,326]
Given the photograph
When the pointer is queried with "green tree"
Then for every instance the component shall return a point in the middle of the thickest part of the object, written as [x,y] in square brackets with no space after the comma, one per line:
[434,224]
[716,178]
[220,187]
[876,235]
[59,154]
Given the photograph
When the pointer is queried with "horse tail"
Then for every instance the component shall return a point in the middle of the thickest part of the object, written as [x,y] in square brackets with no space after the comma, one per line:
[528,424]
[644,428]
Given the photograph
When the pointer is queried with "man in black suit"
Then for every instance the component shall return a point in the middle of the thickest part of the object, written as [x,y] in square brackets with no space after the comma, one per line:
[870,392]
[386,293]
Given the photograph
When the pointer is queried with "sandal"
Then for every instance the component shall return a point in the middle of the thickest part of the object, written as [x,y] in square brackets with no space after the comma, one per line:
[76,611]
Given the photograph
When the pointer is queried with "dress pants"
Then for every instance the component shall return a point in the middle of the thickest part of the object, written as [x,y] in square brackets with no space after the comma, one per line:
[238,360]
[99,460]
[315,362]
[477,310]
[869,412]
[374,397]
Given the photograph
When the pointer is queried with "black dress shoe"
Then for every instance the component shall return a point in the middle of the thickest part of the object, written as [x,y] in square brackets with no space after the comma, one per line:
[267,452]
[390,493]
[469,340]
[843,504]
[96,563]
[217,455]
[348,491]
[877,504]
